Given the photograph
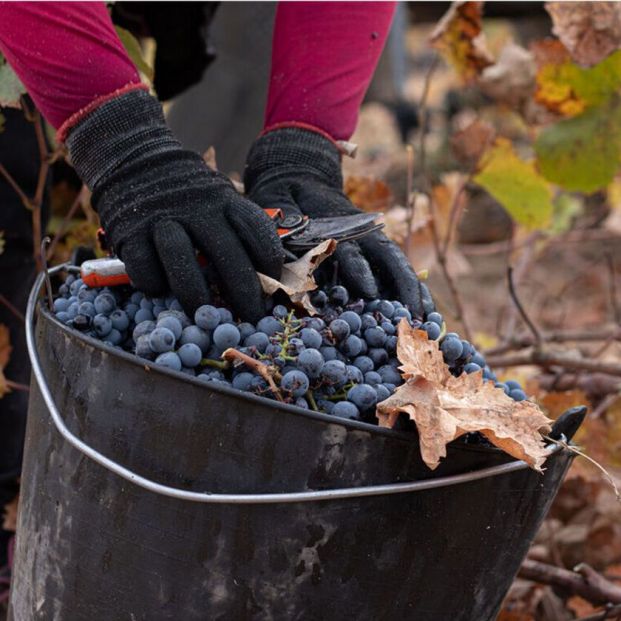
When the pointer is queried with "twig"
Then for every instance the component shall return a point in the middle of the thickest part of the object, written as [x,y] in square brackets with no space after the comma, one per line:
[588,584]
[596,385]
[423,115]
[22,195]
[409,196]
[613,288]
[17,386]
[520,308]
[546,358]
[608,613]
[264,371]
[456,207]
[12,308]
[605,333]
[65,223]
[607,476]
[606,403]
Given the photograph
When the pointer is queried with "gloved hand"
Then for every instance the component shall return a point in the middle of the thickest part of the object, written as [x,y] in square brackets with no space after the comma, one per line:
[158,203]
[299,171]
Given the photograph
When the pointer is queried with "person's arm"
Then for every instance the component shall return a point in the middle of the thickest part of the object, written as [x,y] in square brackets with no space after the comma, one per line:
[324,55]
[157,202]
[323,58]
[67,54]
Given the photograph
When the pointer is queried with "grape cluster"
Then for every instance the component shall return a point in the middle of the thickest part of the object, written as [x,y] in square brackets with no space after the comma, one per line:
[342,361]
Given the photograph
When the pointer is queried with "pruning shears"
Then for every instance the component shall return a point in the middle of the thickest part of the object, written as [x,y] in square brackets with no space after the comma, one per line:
[298,234]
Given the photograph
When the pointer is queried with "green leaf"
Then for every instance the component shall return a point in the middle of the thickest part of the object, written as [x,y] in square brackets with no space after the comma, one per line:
[134,51]
[582,153]
[11,89]
[516,185]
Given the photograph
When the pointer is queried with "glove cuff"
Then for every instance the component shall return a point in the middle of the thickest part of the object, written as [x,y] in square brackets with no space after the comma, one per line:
[293,150]
[122,129]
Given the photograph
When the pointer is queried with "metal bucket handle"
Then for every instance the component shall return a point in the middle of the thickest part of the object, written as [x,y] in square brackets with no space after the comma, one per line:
[206,497]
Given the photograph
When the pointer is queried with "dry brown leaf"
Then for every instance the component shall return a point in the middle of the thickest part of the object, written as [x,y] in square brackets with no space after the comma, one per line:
[589,30]
[470,143]
[209,157]
[458,36]
[368,194]
[445,407]
[297,279]
[511,79]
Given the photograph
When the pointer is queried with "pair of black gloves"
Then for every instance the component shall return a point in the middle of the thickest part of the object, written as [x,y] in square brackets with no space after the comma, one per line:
[159,203]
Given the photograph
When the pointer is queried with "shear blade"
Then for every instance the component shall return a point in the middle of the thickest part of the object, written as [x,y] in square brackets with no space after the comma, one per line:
[342,228]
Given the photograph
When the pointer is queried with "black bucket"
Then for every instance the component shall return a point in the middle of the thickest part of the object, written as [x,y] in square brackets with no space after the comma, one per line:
[216,505]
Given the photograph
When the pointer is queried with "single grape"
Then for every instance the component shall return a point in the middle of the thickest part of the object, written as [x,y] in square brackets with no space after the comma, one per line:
[301,402]
[225,336]
[391,344]
[196,335]
[477,358]
[131,310]
[504,387]
[311,338]
[102,325]
[401,313]
[169,360]
[372,378]
[146,304]
[362,396]
[144,327]
[319,299]
[158,310]
[388,328]
[382,392]
[207,317]
[86,295]
[120,320]
[75,286]
[345,409]
[114,337]
[295,382]
[143,349]
[328,353]
[375,337]
[367,321]
[432,329]
[190,354]
[61,305]
[280,312]
[310,361]
[325,406]
[243,381]
[471,367]
[144,314]
[352,346]
[372,306]
[258,340]
[136,297]
[353,319]
[354,374]
[269,325]
[386,308]
[378,356]
[161,340]
[104,303]
[273,349]
[63,317]
[339,296]
[364,363]
[340,329]
[82,322]
[512,385]
[87,308]
[517,394]
[180,316]
[390,375]
[245,330]
[451,348]
[334,372]
[436,318]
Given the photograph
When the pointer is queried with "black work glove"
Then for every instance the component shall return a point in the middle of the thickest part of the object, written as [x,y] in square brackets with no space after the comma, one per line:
[158,203]
[298,170]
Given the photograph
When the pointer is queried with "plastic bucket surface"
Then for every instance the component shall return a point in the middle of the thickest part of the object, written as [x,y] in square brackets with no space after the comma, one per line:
[92,546]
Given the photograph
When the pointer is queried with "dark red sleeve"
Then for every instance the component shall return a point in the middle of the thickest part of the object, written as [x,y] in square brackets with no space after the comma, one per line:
[323,58]
[67,54]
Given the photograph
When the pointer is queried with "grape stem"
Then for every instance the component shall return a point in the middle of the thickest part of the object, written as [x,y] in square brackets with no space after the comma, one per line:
[266,372]
[208,362]
[311,400]
[516,300]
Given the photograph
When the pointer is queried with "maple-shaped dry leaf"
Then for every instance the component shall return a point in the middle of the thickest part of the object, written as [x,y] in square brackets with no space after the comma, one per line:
[458,36]
[589,30]
[446,407]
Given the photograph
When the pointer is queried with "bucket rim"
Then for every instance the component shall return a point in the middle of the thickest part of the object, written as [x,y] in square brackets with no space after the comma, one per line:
[406,436]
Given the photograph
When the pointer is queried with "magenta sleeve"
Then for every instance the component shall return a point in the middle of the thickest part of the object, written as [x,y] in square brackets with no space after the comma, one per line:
[67,54]
[323,58]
